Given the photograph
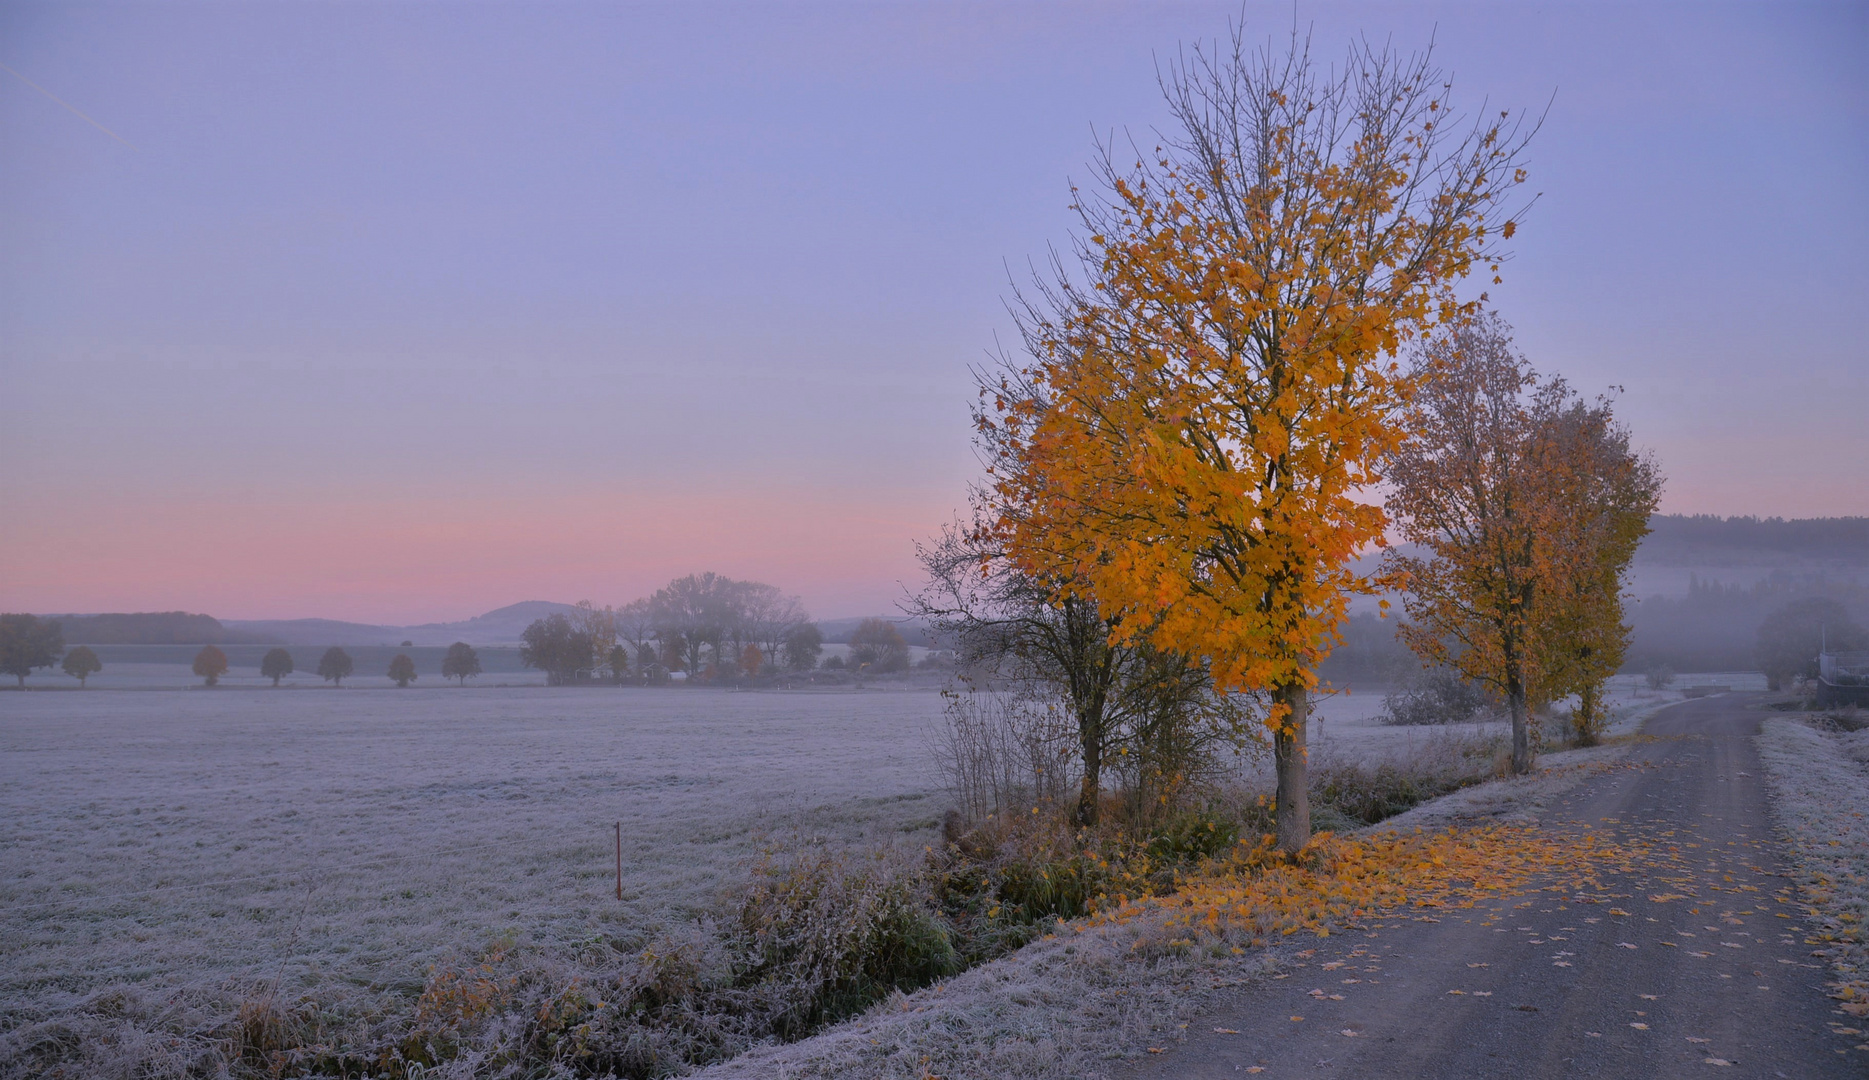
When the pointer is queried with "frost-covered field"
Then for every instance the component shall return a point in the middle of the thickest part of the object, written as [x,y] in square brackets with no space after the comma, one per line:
[342,841]
[166,855]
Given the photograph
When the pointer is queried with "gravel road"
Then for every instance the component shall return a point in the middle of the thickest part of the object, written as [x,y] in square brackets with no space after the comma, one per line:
[1695,964]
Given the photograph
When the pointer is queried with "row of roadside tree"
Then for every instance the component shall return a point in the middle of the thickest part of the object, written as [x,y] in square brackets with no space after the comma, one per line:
[1260,337]
[28,642]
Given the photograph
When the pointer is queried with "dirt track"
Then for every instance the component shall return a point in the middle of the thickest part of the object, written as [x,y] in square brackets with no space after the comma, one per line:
[1685,968]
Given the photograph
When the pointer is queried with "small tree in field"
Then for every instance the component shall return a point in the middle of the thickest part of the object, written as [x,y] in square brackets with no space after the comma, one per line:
[599,627]
[276,665]
[28,642]
[556,647]
[211,664]
[618,661]
[878,645]
[750,660]
[803,646]
[335,666]
[1184,449]
[81,663]
[462,662]
[402,669]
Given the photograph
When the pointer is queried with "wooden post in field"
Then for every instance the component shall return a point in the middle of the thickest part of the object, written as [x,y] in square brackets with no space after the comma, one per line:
[619,860]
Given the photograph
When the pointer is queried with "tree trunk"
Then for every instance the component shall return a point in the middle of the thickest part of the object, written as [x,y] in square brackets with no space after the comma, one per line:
[1090,789]
[1587,718]
[1088,792]
[1288,752]
[1522,759]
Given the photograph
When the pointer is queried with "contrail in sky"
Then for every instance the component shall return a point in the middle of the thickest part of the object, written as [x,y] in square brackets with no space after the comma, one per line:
[68,105]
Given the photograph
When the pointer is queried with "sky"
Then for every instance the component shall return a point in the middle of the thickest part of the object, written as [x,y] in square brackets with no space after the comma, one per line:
[403,312]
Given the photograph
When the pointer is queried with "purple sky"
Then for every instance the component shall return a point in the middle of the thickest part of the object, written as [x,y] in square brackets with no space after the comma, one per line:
[404,312]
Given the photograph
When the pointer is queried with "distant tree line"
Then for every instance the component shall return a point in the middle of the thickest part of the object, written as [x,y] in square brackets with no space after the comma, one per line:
[709,628]
[1715,626]
[1676,537]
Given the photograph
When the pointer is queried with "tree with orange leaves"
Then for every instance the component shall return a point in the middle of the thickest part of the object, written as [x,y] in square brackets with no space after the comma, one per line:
[1186,440]
[1526,505]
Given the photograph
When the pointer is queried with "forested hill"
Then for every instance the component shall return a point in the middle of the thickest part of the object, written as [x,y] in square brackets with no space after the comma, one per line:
[1705,539]
[1701,585]
[1698,590]
[149,628]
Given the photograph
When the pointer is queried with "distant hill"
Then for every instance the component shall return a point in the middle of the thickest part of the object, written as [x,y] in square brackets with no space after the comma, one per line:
[1707,540]
[1682,551]
[1699,587]
[317,631]
[500,627]
[150,628]
[1701,584]
[838,631]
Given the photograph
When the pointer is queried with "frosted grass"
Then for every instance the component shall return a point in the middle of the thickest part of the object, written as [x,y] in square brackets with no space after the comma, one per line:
[338,843]
[184,852]
[1819,781]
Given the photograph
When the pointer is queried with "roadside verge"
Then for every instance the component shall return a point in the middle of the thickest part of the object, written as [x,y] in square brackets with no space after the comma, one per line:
[1818,776]
[1080,1002]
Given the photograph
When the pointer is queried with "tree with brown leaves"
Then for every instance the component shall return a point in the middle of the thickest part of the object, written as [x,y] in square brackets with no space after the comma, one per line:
[1527,505]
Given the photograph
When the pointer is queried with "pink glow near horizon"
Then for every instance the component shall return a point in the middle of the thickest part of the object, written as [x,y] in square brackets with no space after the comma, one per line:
[402,561]
[414,560]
